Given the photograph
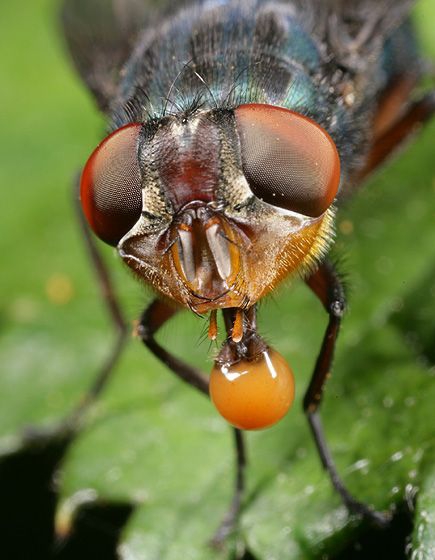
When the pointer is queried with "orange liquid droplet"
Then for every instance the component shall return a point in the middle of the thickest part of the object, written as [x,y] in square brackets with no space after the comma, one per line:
[252,395]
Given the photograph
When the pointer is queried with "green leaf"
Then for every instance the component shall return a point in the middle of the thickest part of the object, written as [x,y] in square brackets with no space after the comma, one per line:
[47,312]
[151,440]
[424,523]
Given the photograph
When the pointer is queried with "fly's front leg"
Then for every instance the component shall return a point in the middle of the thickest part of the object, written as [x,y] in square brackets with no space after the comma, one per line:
[327,286]
[152,319]
[230,519]
[112,304]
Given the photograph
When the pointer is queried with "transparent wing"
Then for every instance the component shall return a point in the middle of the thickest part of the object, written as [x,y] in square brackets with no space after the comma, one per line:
[366,25]
[355,30]
[101,34]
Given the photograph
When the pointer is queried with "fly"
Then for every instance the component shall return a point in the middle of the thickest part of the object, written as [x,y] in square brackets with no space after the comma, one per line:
[235,129]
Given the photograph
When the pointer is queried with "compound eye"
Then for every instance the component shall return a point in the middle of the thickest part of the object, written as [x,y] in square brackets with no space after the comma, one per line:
[110,187]
[288,160]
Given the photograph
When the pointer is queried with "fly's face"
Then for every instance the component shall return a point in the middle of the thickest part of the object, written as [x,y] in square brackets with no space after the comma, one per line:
[215,208]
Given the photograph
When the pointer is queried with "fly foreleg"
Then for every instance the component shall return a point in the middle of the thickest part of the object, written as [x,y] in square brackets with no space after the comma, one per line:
[327,286]
[113,307]
[152,319]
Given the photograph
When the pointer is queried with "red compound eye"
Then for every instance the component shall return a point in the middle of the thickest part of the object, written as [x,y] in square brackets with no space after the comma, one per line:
[288,160]
[110,188]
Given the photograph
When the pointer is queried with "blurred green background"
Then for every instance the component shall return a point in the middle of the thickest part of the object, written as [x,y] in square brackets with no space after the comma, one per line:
[150,441]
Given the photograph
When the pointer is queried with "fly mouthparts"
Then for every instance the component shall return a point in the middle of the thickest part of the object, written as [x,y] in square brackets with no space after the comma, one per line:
[212,326]
[242,341]
[237,330]
[251,384]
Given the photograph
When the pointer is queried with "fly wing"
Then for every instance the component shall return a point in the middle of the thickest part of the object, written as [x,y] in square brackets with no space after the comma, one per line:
[352,31]
[101,34]
[355,30]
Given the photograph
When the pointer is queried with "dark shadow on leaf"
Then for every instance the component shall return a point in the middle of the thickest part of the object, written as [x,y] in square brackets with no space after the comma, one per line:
[28,502]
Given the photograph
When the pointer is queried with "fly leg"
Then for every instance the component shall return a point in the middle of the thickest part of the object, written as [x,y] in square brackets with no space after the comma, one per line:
[72,423]
[388,140]
[230,519]
[326,284]
[152,319]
